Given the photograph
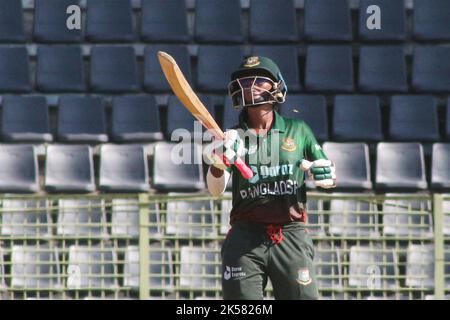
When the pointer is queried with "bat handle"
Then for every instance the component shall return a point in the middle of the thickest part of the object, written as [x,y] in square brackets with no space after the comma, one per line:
[243,168]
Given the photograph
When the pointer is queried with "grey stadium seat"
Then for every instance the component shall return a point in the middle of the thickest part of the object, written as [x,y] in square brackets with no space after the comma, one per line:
[164,21]
[440,166]
[69,168]
[81,119]
[420,266]
[14,66]
[22,218]
[11,21]
[218,21]
[109,21]
[431,69]
[316,217]
[18,169]
[202,261]
[114,69]
[400,166]
[352,164]
[50,21]
[357,118]
[135,118]
[26,119]
[123,168]
[431,20]
[328,267]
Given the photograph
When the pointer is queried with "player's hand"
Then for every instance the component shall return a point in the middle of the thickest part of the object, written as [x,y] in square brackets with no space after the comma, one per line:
[322,171]
[222,153]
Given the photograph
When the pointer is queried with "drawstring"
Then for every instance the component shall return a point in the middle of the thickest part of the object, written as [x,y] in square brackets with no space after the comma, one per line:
[274,233]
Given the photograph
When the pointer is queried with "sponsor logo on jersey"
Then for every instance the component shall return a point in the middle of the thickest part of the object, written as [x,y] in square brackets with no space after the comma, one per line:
[233,272]
[288,144]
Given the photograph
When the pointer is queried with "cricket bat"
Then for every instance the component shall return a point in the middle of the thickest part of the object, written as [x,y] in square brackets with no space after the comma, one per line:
[190,100]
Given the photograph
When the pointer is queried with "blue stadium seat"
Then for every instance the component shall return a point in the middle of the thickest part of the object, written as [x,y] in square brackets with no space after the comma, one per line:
[328,267]
[135,118]
[440,166]
[164,21]
[81,119]
[316,217]
[431,69]
[109,21]
[327,20]
[215,65]
[154,79]
[50,22]
[329,68]
[11,21]
[286,57]
[420,266]
[200,260]
[69,168]
[25,218]
[26,119]
[357,118]
[382,68]
[230,115]
[414,118]
[15,74]
[265,26]
[60,69]
[431,20]
[218,21]
[393,25]
[114,69]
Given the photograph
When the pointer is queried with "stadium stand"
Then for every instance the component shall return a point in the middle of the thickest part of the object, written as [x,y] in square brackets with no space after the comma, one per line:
[328,267]
[14,64]
[440,167]
[431,69]
[420,266]
[11,21]
[447,123]
[198,260]
[431,20]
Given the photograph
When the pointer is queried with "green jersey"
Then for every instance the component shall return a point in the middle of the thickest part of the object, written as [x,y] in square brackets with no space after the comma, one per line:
[277,192]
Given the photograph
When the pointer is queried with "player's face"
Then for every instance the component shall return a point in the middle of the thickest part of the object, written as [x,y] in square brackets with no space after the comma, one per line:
[254,88]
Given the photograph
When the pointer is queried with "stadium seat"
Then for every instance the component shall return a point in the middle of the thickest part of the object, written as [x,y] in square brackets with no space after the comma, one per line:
[81,119]
[286,57]
[431,69]
[14,77]
[35,267]
[352,164]
[218,21]
[164,21]
[230,115]
[113,69]
[310,108]
[215,65]
[328,267]
[393,25]
[25,218]
[135,118]
[420,266]
[109,21]
[373,268]
[123,168]
[154,79]
[265,26]
[11,21]
[327,20]
[440,166]
[414,118]
[3,286]
[177,167]
[400,166]
[69,168]
[357,118]
[25,119]
[382,68]
[447,123]
[329,68]
[190,219]
[81,218]
[316,217]
[431,20]
[50,22]
[446,212]
[197,261]
[18,169]
[92,267]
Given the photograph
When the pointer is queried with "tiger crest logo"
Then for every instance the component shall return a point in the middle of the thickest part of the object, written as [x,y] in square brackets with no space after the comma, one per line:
[252,62]
[289,145]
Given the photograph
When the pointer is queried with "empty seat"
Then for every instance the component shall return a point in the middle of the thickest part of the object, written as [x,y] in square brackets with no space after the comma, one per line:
[11,22]
[329,68]
[18,169]
[382,68]
[357,118]
[109,20]
[200,268]
[400,166]
[154,79]
[81,119]
[327,20]
[50,21]
[431,68]
[393,20]
[26,119]
[113,69]
[316,217]
[414,118]
[265,26]
[14,74]
[25,218]
[230,115]
[420,266]
[123,168]
[215,65]
[440,166]
[177,167]
[431,20]
[135,118]
[60,69]
[218,21]
[328,267]
[352,164]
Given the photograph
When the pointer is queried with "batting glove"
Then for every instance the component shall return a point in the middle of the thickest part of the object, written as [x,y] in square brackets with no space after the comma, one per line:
[222,153]
[322,172]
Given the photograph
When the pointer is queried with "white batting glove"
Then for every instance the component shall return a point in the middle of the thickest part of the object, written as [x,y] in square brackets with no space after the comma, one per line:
[322,172]
[222,153]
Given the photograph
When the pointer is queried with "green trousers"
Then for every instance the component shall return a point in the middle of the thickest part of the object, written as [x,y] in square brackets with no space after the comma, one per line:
[253,253]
